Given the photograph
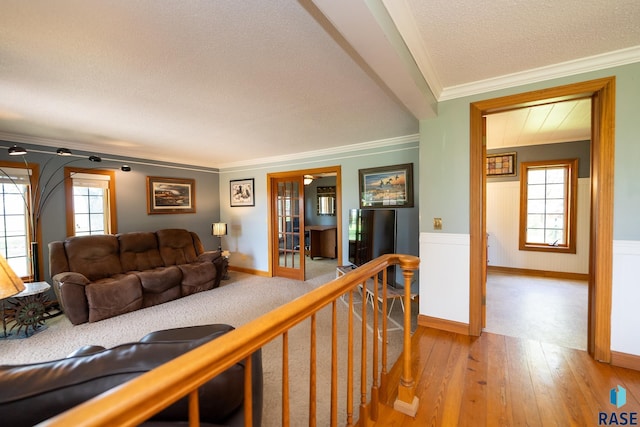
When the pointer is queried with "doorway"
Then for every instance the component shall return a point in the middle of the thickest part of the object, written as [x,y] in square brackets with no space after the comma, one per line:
[602,93]
[539,291]
[287,237]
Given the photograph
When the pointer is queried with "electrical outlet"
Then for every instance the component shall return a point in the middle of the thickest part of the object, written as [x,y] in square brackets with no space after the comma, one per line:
[437,223]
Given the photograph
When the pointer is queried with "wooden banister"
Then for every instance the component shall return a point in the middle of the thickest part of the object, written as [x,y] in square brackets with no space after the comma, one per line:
[137,400]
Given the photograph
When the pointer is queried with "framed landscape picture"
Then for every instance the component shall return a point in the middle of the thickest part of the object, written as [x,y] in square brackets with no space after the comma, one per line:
[170,195]
[241,191]
[387,187]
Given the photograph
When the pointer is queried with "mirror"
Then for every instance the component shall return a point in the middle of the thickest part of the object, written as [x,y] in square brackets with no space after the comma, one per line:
[326,200]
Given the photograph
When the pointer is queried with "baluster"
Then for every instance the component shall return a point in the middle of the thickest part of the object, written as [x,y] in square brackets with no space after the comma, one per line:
[285,379]
[384,374]
[363,354]
[334,364]
[248,391]
[350,363]
[194,410]
[407,401]
[312,374]
[374,363]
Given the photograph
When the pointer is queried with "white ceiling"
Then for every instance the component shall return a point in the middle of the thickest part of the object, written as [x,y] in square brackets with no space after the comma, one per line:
[543,124]
[221,83]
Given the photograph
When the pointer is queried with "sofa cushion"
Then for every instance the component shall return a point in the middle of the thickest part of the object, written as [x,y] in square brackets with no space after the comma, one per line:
[159,279]
[176,246]
[197,277]
[139,251]
[160,285]
[97,257]
[112,297]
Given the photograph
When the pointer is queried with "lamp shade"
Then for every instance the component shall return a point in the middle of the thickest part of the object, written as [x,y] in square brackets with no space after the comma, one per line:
[10,283]
[219,229]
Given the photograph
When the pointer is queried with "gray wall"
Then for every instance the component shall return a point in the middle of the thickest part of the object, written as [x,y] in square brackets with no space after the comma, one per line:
[532,153]
[444,155]
[131,190]
[248,235]
[311,216]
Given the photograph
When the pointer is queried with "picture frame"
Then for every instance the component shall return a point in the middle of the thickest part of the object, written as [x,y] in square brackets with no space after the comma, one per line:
[386,187]
[241,192]
[170,195]
[501,164]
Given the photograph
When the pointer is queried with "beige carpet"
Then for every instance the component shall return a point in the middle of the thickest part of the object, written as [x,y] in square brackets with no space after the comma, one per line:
[239,300]
[538,308]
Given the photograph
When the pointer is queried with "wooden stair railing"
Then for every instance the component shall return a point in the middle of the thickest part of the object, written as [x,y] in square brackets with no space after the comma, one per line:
[137,400]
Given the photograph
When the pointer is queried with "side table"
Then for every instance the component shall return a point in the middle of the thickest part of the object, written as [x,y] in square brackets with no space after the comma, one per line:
[25,311]
[225,273]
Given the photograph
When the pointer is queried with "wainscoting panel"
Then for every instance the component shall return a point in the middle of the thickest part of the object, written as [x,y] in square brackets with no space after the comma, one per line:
[625,334]
[444,276]
[503,215]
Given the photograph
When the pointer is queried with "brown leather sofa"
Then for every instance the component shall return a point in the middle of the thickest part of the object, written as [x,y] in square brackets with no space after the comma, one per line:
[32,393]
[102,276]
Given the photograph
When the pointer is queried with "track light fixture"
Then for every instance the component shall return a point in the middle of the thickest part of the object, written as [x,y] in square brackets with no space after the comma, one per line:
[41,191]
[17,151]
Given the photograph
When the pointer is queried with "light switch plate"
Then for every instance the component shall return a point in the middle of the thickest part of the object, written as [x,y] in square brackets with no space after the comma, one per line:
[437,223]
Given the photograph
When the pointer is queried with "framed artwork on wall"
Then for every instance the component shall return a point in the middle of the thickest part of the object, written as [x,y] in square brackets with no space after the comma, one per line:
[501,164]
[170,195]
[386,187]
[241,191]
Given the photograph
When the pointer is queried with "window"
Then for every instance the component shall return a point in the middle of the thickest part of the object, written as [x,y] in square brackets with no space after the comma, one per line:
[548,191]
[14,217]
[90,202]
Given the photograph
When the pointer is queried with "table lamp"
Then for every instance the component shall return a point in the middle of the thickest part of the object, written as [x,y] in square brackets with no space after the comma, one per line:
[219,229]
[10,283]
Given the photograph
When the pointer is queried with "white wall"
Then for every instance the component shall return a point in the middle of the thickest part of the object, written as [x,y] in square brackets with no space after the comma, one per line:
[444,276]
[503,216]
[625,334]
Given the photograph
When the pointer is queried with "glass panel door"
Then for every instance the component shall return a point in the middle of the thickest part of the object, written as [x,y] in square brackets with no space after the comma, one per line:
[288,228]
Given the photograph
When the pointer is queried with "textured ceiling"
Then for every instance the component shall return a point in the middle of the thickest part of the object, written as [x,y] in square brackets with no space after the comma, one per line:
[223,83]
[467,41]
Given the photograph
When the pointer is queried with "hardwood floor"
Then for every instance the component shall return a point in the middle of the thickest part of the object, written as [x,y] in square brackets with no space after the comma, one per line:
[496,380]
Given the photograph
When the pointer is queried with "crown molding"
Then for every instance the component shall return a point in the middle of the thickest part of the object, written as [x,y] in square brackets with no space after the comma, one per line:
[564,69]
[327,152]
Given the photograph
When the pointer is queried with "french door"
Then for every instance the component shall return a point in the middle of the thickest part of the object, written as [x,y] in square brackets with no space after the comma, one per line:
[288,226]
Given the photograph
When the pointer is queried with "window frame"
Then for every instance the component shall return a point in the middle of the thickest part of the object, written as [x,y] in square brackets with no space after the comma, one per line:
[570,208]
[33,171]
[69,172]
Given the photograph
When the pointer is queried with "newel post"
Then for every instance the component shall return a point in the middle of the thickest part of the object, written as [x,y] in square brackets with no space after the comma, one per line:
[407,401]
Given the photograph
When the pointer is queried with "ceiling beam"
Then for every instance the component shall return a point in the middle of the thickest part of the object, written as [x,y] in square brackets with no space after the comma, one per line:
[370,31]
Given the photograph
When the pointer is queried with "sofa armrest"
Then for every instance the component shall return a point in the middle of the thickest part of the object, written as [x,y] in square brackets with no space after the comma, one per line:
[209,256]
[69,288]
[71,277]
